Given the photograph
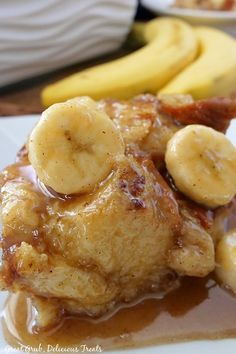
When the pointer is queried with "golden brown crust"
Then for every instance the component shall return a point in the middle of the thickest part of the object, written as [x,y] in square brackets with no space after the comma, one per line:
[214,112]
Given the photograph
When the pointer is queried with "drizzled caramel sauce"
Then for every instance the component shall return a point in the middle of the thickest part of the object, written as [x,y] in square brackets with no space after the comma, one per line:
[198,309]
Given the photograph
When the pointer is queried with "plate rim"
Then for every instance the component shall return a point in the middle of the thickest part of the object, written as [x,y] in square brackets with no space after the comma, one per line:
[224,16]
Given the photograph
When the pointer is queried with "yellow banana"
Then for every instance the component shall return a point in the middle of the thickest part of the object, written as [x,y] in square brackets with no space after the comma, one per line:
[226,260]
[202,163]
[172,45]
[213,72]
[74,146]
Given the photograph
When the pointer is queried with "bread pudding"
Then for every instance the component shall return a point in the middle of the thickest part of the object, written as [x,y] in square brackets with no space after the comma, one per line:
[111,200]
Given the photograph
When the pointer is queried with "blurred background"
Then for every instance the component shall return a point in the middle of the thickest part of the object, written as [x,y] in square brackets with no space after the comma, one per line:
[44,42]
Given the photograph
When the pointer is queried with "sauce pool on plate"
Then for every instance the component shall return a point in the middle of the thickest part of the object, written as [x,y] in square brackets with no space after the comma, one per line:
[198,309]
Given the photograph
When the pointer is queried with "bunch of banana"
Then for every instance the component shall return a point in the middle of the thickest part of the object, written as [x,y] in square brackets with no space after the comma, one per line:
[74,146]
[202,163]
[171,46]
[213,72]
[176,58]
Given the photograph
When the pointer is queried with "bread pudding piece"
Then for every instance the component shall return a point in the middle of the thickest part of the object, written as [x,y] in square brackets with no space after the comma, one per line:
[132,234]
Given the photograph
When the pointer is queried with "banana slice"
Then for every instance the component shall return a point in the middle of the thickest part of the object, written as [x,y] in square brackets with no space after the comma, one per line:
[74,146]
[202,163]
[226,260]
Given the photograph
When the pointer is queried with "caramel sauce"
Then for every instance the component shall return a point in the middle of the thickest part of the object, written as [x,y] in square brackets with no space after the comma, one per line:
[199,309]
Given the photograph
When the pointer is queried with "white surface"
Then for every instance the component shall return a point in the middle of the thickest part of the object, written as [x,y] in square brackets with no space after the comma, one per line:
[40,36]
[13,133]
[223,20]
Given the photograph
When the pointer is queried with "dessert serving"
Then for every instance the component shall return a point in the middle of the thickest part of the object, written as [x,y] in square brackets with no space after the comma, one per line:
[118,206]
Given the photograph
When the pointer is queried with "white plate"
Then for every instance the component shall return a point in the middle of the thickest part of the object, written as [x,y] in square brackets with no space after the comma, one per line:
[13,133]
[224,20]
